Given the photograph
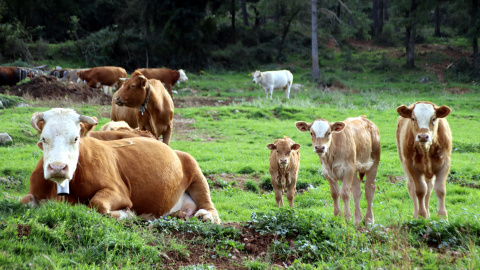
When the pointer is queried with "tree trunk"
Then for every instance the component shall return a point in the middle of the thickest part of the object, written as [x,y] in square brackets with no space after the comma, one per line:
[375,17]
[385,10]
[475,39]
[380,17]
[244,13]
[233,21]
[315,63]
[437,21]
[410,34]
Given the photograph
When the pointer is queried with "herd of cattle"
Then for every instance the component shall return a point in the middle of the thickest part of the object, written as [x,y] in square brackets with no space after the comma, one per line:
[124,166]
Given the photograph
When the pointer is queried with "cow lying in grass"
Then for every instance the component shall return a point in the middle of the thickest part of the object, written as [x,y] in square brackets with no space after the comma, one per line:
[284,165]
[424,144]
[348,151]
[140,174]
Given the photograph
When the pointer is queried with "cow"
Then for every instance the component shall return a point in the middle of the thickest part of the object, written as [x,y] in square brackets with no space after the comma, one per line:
[167,76]
[149,102]
[284,165]
[116,125]
[106,76]
[9,76]
[348,150]
[269,80]
[424,144]
[137,173]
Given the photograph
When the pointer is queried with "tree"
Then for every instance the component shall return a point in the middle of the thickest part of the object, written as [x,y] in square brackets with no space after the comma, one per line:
[410,33]
[475,33]
[315,64]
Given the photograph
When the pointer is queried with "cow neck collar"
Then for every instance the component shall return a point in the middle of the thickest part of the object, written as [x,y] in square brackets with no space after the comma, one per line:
[143,107]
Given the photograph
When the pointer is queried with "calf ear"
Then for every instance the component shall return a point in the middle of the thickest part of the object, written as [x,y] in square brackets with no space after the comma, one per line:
[443,111]
[302,126]
[404,111]
[295,146]
[85,128]
[338,126]
[271,146]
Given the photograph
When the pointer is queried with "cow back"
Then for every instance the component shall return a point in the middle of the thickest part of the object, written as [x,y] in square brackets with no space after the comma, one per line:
[9,76]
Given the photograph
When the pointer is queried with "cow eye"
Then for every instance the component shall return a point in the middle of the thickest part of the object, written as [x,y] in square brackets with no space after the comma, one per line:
[43,140]
[433,120]
[76,139]
[288,153]
[413,119]
[132,85]
[328,134]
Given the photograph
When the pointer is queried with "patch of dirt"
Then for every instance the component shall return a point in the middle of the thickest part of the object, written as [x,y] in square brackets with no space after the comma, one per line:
[199,101]
[184,130]
[256,247]
[458,90]
[49,87]
[239,179]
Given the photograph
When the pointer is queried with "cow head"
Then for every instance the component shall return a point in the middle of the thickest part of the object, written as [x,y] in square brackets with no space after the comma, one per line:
[183,76]
[133,91]
[257,77]
[283,150]
[424,121]
[60,131]
[321,133]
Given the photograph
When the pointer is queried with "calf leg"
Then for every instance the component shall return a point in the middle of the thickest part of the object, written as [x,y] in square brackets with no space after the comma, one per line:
[289,85]
[421,192]
[335,191]
[429,183]
[291,194]
[279,196]
[369,193]
[357,193]
[441,189]
[107,201]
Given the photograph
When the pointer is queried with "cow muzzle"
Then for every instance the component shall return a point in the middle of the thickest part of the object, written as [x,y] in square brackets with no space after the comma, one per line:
[283,162]
[320,149]
[119,102]
[423,137]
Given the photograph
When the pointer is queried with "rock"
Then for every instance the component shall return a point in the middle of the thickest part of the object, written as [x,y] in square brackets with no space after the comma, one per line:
[5,138]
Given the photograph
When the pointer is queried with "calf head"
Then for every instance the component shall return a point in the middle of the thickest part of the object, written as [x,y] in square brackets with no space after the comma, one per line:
[321,133]
[61,130]
[257,77]
[183,76]
[133,92]
[283,150]
[424,121]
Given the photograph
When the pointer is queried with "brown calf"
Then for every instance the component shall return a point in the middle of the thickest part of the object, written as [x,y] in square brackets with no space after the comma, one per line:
[348,151]
[424,144]
[284,164]
[168,77]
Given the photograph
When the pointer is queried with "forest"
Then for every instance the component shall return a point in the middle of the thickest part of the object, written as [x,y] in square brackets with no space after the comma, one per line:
[226,35]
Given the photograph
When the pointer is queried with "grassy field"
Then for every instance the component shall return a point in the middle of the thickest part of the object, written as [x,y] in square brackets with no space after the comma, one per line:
[229,142]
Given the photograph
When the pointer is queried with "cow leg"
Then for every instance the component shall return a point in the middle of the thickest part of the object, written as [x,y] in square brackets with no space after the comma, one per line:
[370,193]
[288,89]
[335,191]
[279,196]
[441,189]
[429,193]
[108,201]
[291,194]
[345,192]
[30,200]
[271,92]
[357,193]
[200,193]
[266,92]
[421,192]
[413,195]
[169,89]
[167,135]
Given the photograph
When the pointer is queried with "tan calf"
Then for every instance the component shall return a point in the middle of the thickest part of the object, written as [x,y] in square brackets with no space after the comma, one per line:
[424,144]
[348,151]
[284,164]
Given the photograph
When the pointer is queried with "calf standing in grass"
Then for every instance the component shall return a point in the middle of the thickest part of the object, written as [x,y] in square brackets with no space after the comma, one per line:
[348,151]
[424,144]
[284,164]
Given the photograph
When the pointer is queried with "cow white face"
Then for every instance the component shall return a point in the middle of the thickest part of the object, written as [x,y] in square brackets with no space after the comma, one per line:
[183,76]
[257,77]
[60,140]
[424,120]
[283,151]
[321,133]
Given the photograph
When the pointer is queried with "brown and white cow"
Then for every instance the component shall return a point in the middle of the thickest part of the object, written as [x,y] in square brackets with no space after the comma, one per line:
[424,144]
[167,76]
[106,76]
[348,151]
[284,165]
[116,125]
[9,76]
[148,103]
[138,173]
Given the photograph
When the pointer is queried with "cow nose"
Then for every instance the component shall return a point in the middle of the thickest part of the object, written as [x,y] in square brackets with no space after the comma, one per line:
[57,169]
[283,160]
[422,137]
[118,101]
[319,148]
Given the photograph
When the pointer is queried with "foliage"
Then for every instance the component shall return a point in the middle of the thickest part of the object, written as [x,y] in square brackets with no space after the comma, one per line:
[10,101]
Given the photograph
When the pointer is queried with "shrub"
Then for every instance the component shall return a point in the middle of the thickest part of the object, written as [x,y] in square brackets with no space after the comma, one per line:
[252,186]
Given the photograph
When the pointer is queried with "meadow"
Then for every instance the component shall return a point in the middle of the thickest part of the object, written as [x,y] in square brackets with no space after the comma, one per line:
[229,143]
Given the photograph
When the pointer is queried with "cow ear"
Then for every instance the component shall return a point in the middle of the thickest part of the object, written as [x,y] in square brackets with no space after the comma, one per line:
[443,111]
[302,126]
[338,126]
[271,146]
[295,146]
[40,145]
[85,128]
[404,111]
[40,125]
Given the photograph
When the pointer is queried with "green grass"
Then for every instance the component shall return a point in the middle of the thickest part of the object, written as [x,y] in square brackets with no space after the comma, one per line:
[63,236]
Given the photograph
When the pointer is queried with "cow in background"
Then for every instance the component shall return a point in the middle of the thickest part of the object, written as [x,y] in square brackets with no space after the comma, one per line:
[146,101]
[167,76]
[284,165]
[108,77]
[348,150]
[269,80]
[424,144]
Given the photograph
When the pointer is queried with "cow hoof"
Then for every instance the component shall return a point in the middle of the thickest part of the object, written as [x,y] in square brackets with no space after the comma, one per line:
[122,214]
[204,215]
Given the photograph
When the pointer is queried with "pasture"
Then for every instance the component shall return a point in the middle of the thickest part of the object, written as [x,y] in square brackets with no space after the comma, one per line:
[225,122]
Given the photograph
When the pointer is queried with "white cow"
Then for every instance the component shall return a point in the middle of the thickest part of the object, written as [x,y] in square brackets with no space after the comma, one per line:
[280,79]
